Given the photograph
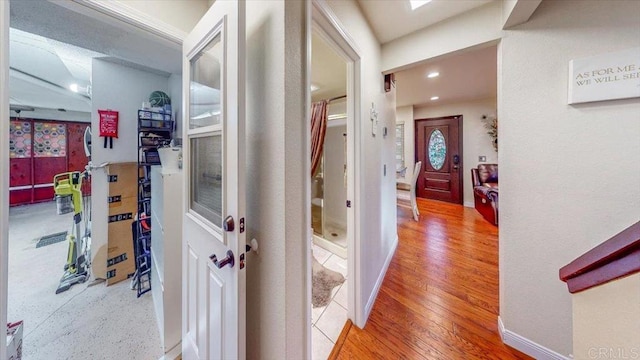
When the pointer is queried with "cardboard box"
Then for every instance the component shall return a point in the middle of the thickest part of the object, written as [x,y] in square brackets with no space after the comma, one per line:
[123,179]
[122,198]
[120,255]
[119,205]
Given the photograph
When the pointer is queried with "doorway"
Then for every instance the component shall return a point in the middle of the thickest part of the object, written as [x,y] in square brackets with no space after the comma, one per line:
[438,146]
[335,225]
[57,320]
[330,278]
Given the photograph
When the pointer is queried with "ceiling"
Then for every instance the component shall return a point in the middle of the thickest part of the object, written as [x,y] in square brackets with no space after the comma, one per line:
[393,19]
[43,68]
[464,76]
[328,71]
[52,47]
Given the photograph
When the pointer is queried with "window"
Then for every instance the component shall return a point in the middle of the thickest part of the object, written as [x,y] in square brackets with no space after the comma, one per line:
[399,146]
[437,149]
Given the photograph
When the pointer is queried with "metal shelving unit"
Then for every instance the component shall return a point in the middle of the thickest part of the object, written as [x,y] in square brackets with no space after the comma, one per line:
[154,130]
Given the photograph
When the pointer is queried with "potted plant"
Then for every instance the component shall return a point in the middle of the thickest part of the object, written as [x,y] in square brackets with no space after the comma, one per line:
[491,123]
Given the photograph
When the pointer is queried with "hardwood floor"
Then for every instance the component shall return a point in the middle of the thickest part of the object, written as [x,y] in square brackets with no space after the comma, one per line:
[439,299]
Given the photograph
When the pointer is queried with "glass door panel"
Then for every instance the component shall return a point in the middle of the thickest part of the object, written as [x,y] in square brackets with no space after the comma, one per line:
[206,178]
[205,85]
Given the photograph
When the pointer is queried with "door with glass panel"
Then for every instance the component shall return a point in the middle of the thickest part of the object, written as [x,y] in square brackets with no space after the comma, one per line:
[439,147]
[213,318]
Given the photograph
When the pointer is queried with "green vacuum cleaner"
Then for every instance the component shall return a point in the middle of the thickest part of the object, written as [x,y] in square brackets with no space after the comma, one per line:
[68,190]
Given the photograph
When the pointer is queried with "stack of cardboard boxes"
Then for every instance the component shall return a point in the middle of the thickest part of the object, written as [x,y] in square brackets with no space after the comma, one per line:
[123,207]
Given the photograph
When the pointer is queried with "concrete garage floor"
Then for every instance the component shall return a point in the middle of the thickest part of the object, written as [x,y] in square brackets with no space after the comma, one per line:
[84,322]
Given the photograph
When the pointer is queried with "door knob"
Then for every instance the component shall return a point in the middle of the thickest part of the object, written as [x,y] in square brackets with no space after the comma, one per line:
[228,224]
[229,260]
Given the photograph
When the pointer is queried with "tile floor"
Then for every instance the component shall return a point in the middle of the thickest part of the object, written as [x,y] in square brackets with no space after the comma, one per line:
[329,320]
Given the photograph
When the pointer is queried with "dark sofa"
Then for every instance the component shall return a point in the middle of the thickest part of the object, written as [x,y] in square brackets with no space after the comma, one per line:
[485,191]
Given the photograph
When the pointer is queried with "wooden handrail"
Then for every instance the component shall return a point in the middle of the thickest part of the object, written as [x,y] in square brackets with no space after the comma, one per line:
[615,258]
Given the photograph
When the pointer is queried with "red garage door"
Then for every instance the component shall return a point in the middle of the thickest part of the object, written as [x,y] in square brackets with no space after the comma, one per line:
[40,149]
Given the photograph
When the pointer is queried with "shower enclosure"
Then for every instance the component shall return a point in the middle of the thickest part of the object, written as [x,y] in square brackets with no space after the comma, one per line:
[329,194]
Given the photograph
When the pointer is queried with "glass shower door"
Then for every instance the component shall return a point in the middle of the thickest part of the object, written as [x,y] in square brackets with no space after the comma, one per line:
[317,200]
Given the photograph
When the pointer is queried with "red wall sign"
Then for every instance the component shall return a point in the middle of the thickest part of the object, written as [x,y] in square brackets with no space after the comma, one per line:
[108,123]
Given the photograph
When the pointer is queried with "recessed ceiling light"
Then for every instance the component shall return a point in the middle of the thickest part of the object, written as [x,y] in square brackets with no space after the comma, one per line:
[73,87]
[433,74]
[314,87]
[435,98]
[417,3]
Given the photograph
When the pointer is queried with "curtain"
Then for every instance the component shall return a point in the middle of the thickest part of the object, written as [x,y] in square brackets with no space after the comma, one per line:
[318,131]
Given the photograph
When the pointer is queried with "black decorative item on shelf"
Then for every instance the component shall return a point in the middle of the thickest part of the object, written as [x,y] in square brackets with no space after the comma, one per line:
[155,128]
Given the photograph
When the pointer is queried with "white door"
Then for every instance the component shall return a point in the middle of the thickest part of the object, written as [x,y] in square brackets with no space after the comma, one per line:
[213,313]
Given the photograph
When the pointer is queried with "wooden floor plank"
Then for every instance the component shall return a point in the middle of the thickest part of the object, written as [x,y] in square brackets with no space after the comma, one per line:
[341,339]
[439,298]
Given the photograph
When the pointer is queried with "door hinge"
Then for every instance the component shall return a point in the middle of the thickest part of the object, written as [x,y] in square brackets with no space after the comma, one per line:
[348,203]
[241,225]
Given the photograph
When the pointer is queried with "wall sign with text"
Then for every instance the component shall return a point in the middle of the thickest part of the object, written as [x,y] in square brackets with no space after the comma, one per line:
[608,76]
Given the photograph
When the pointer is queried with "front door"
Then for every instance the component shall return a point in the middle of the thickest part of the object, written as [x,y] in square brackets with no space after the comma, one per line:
[213,313]
[439,147]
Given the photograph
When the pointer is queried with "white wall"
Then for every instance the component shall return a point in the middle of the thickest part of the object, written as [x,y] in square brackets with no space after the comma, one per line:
[278,163]
[376,199]
[335,190]
[472,28]
[122,89]
[183,14]
[569,175]
[404,115]
[601,320]
[516,12]
[175,93]
[475,140]
[338,107]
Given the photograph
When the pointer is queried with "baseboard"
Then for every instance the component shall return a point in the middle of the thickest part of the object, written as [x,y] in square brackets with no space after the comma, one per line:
[527,346]
[376,288]
[469,204]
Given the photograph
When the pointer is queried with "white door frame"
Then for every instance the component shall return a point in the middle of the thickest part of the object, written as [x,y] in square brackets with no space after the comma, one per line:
[326,24]
[112,12]
[4,167]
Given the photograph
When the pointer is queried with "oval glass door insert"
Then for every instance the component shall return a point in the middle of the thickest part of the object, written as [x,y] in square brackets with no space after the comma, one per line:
[437,149]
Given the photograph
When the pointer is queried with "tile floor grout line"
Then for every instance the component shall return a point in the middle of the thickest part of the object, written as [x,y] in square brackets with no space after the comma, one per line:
[54,311]
[322,313]
[346,317]
[337,303]
[325,335]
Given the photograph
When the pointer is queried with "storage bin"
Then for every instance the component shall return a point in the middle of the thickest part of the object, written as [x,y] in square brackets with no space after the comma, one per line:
[169,158]
[152,157]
